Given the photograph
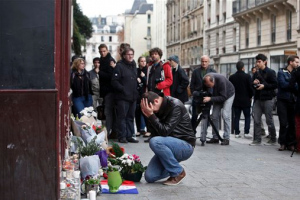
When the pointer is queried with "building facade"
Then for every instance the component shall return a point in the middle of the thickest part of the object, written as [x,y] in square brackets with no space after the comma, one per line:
[268,27]
[158,39]
[185,31]
[221,36]
[138,27]
[106,31]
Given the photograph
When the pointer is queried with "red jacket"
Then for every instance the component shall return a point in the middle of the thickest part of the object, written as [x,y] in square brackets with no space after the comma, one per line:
[166,84]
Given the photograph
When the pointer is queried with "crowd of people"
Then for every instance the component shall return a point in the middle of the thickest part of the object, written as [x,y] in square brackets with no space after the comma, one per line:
[152,94]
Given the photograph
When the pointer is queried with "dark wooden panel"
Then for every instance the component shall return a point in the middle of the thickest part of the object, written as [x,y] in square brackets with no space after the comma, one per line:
[28,145]
[27,44]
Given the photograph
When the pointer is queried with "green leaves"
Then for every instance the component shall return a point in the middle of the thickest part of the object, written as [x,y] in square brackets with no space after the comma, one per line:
[88,150]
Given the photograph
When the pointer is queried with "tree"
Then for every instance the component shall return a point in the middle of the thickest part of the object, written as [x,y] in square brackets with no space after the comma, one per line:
[82,28]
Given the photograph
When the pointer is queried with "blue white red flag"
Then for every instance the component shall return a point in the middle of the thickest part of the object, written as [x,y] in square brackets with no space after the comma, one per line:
[127,187]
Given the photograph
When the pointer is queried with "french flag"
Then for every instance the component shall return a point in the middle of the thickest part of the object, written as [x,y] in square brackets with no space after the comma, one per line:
[127,187]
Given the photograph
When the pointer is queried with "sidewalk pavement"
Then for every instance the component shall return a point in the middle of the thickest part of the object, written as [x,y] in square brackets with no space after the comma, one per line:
[215,172]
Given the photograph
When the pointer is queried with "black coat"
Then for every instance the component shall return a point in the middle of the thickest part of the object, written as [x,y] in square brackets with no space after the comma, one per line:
[197,79]
[268,78]
[105,74]
[295,79]
[142,85]
[124,81]
[180,84]
[243,89]
[173,120]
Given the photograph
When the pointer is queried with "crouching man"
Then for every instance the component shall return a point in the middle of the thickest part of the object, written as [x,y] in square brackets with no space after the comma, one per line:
[172,137]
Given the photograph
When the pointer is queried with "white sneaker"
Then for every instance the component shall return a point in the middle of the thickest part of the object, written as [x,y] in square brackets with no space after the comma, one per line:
[247,136]
[237,136]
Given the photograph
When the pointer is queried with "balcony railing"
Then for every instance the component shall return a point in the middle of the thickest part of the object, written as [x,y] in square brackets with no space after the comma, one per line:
[242,5]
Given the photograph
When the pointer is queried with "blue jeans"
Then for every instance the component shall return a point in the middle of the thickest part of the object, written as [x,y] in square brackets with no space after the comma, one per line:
[237,116]
[143,123]
[79,103]
[169,151]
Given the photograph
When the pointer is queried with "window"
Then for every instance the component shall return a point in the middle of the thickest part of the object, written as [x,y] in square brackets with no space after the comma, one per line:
[273,28]
[224,42]
[149,18]
[217,19]
[148,44]
[224,17]
[258,31]
[110,38]
[278,62]
[110,48]
[247,35]
[289,25]
[249,63]
[234,40]
[102,38]
[149,31]
[93,48]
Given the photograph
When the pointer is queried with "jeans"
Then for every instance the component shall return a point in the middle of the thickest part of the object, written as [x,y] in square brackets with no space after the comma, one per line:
[109,111]
[237,116]
[79,103]
[169,151]
[226,115]
[139,118]
[125,119]
[286,114]
[263,107]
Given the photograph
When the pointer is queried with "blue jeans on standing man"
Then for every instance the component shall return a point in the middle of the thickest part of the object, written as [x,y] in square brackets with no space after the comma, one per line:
[169,151]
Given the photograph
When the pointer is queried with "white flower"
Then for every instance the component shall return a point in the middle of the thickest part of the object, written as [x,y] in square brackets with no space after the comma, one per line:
[125,155]
[129,162]
[94,114]
[90,109]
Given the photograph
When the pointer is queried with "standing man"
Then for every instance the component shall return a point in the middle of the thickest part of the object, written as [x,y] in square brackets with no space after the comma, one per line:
[180,80]
[159,74]
[242,100]
[286,106]
[264,82]
[222,98]
[124,82]
[94,74]
[197,85]
[172,137]
[107,63]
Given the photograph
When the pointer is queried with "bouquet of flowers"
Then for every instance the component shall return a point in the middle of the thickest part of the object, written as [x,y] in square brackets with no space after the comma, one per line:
[130,164]
[98,128]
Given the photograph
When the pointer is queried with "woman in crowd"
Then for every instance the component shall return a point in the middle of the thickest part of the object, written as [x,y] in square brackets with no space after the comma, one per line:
[139,117]
[81,87]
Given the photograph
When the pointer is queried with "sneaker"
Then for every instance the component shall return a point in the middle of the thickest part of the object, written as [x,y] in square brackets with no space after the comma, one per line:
[271,142]
[202,143]
[175,180]
[132,140]
[255,143]
[247,136]
[225,142]
[237,136]
[212,141]
[147,134]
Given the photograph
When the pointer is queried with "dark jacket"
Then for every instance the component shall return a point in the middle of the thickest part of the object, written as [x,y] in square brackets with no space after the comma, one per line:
[163,72]
[295,87]
[80,84]
[243,89]
[180,84]
[172,120]
[222,90]
[105,74]
[283,78]
[197,79]
[142,85]
[267,77]
[124,81]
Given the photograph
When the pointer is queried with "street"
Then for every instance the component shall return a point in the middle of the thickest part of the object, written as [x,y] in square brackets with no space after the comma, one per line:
[234,172]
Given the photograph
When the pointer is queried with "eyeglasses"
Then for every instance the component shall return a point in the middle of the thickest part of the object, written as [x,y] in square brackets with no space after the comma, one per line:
[129,54]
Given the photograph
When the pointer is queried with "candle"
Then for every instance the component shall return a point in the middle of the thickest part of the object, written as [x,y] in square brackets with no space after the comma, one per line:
[63,185]
[92,195]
